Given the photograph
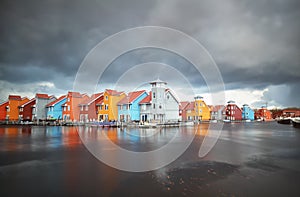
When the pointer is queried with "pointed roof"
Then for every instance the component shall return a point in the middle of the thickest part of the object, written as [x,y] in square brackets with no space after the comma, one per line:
[147,99]
[217,108]
[4,103]
[42,96]
[190,106]
[157,81]
[93,98]
[168,90]
[28,102]
[183,105]
[74,94]
[56,101]
[132,96]
[113,92]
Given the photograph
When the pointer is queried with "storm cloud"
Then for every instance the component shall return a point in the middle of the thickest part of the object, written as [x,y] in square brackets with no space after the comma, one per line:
[255,44]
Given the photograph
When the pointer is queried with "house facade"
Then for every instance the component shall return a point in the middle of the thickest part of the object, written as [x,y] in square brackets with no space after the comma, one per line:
[218,112]
[14,101]
[182,110]
[263,114]
[70,109]
[88,108]
[233,112]
[129,106]
[202,111]
[145,108]
[39,109]
[3,110]
[108,109]
[247,113]
[26,109]
[54,109]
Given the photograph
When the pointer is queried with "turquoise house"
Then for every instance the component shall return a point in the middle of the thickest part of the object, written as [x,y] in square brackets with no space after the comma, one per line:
[247,113]
[129,108]
[54,109]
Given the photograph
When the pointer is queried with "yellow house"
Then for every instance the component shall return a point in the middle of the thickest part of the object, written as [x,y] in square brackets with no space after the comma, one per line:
[108,109]
[198,110]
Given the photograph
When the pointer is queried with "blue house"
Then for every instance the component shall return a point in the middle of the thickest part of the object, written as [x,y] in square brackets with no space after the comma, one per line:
[247,113]
[54,109]
[129,108]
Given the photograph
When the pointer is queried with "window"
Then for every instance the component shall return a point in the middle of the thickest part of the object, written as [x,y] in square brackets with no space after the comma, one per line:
[106,107]
[144,107]
[153,105]
[159,106]
[153,94]
[21,109]
[106,97]
[81,108]
[86,108]
[100,107]
[68,107]
[68,99]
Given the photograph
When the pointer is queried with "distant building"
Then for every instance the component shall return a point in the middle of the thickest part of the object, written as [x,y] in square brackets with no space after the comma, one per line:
[26,109]
[145,108]
[197,110]
[129,108]
[164,105]
[233,112]
[70,109]
[108,109]
[218,112]
[39,109]
[290,112]
[12,109]
[263,114]
[55,109]
[88,108]
[247,113]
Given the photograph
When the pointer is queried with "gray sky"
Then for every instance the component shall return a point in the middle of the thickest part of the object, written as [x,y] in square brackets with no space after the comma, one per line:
[255,44]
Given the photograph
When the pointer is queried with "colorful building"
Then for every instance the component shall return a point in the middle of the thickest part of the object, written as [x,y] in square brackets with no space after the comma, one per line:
[54,109]
[197,110]
[70,108]
[108,109]
[218,112]
[26,109]
[88,108]
[129,108]
[247,113]
[182,110]
[233,112]
[39,112]
[14,101]
[263,114]
[145,108]
[3,110]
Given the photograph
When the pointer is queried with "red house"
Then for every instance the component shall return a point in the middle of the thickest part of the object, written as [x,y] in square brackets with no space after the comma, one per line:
[70,108]
[182,110]
[3,109]
[25,110]
[263,114]
[88,108]
[233,112]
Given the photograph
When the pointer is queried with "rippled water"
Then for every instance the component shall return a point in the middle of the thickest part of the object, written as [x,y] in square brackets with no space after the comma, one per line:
[54,161]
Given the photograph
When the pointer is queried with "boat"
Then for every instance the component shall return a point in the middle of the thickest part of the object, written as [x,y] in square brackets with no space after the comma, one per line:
[284,121]
[296,122]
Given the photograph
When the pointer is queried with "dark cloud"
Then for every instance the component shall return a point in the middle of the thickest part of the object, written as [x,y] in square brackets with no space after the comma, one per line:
[256,44]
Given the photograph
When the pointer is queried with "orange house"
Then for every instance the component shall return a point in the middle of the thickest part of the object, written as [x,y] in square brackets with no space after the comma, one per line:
[263,114]
[3,107]
[14,101]
[108,109]
[70,110]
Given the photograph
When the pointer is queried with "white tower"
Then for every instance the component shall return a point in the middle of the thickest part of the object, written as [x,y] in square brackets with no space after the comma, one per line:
[158,89]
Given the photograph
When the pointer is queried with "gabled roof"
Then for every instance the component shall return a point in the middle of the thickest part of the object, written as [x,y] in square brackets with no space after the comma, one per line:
[27,103]
[217,108]
[177,100]
[91,99]
[4,103]
[190,106]
[113,92]
[147,99]
[56,101]
[42,96]
[183,105]
[74,94]
[14,97]
[132,96]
